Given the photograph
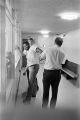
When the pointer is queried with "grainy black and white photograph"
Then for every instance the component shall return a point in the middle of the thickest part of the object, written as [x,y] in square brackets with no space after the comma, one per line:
[39,59]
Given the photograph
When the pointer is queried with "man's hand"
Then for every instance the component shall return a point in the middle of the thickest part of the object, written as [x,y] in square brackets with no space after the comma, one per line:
[24,73]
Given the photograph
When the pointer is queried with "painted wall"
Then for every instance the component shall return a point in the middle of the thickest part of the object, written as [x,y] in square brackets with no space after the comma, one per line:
[72,46]
[2,49]
[7,47]
[45,42]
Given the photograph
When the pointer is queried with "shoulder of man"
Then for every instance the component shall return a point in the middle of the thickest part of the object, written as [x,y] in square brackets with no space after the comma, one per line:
[34,47]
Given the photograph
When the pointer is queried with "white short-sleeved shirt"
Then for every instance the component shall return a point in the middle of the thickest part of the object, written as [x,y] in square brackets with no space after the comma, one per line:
[32,56]
[54,58]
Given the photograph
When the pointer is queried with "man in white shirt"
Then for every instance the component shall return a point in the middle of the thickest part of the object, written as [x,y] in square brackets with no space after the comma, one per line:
[52,72]
[33,67]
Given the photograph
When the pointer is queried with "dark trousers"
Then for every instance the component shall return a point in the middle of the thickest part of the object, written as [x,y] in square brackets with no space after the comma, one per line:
[27,74]
[35,83]
[24,61]
[50,77]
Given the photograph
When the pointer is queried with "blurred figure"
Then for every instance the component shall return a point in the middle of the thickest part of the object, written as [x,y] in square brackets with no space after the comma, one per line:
[52,71]
[25,52]
[33,67]
[24,61]
[24,48]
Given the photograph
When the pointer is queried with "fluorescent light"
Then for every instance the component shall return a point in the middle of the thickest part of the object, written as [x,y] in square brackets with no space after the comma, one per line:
[44,32]
[69,15]
[46,35]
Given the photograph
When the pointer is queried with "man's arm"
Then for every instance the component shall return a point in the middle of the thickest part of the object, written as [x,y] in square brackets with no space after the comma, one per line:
[43,56]
[65,60]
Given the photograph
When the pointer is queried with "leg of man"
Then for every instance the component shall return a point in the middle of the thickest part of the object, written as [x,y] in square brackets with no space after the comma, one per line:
[56,76]
[30,85]
[24,94]
[32,78]
[35,84]
[46,87]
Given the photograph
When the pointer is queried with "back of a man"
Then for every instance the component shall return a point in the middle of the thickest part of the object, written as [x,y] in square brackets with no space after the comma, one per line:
[52,72]
[54,58]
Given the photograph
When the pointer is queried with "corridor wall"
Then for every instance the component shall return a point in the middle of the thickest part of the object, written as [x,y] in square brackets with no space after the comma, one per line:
[72,49]
[2,49]
[9,38]
[72,46]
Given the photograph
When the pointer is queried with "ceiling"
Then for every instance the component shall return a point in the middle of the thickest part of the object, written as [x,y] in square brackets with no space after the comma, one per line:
[36,15]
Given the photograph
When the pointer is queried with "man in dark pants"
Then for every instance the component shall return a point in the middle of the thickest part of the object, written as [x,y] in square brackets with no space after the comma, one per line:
[35,85]
[52,72]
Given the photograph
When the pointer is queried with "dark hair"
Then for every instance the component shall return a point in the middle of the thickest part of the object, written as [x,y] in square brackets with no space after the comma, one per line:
[31,39]
[27,44]
[59,41]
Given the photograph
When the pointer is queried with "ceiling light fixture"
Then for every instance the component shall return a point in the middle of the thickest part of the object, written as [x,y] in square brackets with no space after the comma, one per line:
[44,32]
[46,35]
[69,15]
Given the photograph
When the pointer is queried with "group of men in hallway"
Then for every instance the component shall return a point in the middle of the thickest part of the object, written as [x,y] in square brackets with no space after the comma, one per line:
[54,58]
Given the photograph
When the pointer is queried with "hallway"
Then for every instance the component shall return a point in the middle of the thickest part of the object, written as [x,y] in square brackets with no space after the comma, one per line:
[43,21]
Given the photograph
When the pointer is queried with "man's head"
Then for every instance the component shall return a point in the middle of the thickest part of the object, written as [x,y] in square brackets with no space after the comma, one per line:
[58,41]
[31,41]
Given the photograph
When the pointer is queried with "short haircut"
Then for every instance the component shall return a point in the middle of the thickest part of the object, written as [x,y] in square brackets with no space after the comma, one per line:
[32,40]
[59,41]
